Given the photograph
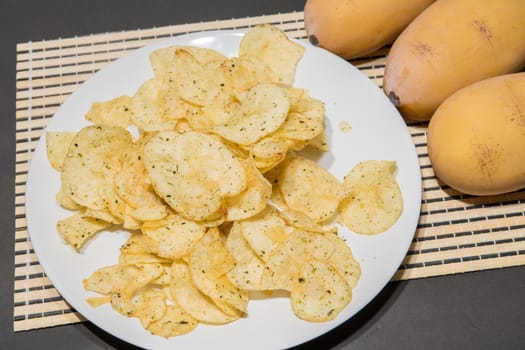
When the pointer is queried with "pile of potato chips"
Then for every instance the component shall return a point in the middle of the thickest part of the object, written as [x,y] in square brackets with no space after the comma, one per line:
[216,199]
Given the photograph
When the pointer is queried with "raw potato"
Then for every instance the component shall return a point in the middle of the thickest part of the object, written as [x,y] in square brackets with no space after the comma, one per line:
[355,28]
[476,138]
[453,44]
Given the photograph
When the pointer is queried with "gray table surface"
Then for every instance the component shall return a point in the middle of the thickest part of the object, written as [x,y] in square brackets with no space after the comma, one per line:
[480,310]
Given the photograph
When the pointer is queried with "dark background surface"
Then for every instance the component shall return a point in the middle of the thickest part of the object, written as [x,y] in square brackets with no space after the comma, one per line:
[480,310]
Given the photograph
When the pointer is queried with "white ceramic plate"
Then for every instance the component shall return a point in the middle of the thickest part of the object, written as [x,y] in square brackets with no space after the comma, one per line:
[377,132]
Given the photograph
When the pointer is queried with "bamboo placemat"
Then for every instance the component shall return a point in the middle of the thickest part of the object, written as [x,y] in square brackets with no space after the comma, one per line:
[456,233]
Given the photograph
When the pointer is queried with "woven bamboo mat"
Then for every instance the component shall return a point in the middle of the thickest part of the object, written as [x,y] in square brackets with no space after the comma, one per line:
[456,233]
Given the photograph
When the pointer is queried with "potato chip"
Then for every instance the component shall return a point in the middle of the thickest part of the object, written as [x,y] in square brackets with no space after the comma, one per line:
[175,238]
[216,113]
[114,205]
[65,200]
[270,148]
[98,301]
[114,112]
[174,322]
[272,175]
[129,222]
[197,84]
[245,72]
[136,243]
[374,201]
[253,199]
[164,279]
[289,256]
[272,46]
[91,163]
[77,229]
[57,146]
[140,259]
[162,60]
[148,305]
[132,184]
[209,262]
[124,279]
[318,292]
[103,215]
[310,189]
[303,222]
[249,267]
[262,111]
[264,231]
[149,213]
[320,142]
[302,126]
[193,172]
[343,261]
[191,299]
[146,112]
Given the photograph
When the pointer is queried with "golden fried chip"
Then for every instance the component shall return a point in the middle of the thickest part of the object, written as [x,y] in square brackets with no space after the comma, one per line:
[193,172]
[91,163]
[318,292]
[310,189]
[98,301]
[162,60]
[174,322]
[77,229]
[289,256]
[129,222]
[275,49]
[249,267]
[191,299]
[150,306]
[146,112]
[114,112]
[103,215]
[303,222]
[245,72]
[140,259]
[197,84]
[132,184]
[374,201]
[123,279]
[65,201]
[174,238]
[209,262]
[264,231]
[57,146]
[343,261]
[136,243]
[253,199]
[262,111]
[320,142]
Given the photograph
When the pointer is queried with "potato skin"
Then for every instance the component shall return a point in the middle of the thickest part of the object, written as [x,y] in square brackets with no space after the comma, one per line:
[452,44]
[476,137]
[353,28]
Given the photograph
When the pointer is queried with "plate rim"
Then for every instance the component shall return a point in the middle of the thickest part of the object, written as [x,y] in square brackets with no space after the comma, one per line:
[30,181]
